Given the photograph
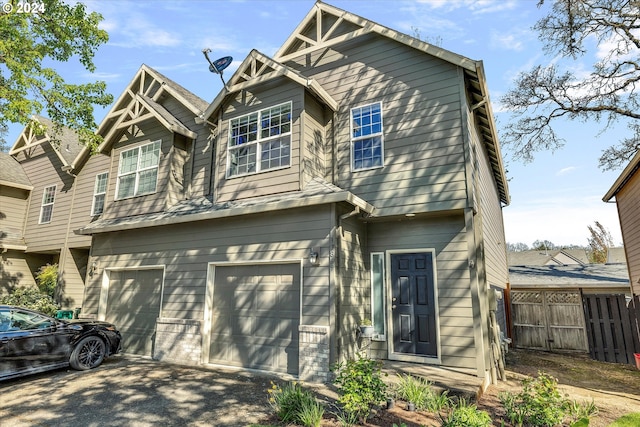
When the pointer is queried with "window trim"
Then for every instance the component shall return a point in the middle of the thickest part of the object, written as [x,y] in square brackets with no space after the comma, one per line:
[138,171]
[377,336]
[353,139]
[96,193]
[258,142]
[45,204]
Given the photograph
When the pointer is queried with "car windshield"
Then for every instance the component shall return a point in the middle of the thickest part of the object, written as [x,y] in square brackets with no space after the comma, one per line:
[15,320]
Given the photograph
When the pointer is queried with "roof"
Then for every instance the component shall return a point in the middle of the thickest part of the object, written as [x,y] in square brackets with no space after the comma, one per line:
[570,276]
[12,174]
[552,257]
[624,177]
[316,192]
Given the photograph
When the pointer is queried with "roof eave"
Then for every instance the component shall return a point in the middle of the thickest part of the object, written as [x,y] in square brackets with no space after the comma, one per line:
[626,174]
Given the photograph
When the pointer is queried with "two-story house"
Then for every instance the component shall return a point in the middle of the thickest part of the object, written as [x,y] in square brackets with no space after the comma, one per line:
[354,175]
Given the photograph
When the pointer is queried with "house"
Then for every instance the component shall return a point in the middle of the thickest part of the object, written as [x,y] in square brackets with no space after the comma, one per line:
[548,257]
[322,186]
[626,190]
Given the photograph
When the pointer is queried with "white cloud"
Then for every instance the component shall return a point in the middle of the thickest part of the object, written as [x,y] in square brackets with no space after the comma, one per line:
[566,171]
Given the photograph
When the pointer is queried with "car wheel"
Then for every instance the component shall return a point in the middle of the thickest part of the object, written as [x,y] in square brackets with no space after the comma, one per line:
[88,354]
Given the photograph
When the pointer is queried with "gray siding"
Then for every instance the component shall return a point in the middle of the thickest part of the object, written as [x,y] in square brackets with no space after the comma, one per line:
[315,158]
[19,269]
[628,199]
[144,133]
[447,235]
[44,169]
[72,269]
[186,249]
[354,296]
[83,197]
[423,139]
[13,209]
[490,216]
[268,182]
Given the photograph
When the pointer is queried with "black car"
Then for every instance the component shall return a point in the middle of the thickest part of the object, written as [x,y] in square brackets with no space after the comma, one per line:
[31,342]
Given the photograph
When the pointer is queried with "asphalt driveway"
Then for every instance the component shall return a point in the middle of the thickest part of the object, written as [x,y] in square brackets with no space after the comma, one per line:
[136,392]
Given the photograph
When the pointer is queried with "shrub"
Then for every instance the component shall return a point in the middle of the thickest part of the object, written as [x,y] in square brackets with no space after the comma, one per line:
[360,385]
[30,297]
[47,279]
[541,404]
[464,414]
[293,404]
[419,391]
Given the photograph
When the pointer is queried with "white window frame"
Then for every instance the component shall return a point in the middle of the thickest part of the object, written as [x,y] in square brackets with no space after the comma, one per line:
[102,193]
[138,171]
[46,202]
[377,323]
[355,139]
[259,141]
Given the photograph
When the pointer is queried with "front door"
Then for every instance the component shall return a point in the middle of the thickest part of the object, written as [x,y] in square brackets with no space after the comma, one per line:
[413,304]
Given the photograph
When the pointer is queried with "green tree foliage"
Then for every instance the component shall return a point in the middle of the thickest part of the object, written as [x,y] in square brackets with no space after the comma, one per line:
[543,245]
[47,279]
[599,243]
[560,90]
[30,297]
[30,46]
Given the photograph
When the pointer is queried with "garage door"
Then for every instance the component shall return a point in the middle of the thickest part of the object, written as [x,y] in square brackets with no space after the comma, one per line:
[255,317]
[133,306]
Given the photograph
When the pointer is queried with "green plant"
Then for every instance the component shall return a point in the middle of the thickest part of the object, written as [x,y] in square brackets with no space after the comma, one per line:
[30,297]
[47,279]
[541,404]
[464,414]
[628,420]
[420,392]
[360,385]
[347,419]
[293,404]
[366,322]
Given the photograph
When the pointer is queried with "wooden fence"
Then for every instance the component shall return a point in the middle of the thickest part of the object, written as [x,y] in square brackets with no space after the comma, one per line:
[612,327]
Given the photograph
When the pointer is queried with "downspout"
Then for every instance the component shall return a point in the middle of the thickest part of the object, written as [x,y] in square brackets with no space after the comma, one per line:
[65,248]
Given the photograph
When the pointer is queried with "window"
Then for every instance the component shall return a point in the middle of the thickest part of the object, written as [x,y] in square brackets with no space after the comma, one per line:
[378,294]
[46,210]
[138,171]
[99,191]
[366,137]
[260,141]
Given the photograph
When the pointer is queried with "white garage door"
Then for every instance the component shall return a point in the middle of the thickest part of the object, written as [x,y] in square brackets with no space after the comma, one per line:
[133,306]
[255,317]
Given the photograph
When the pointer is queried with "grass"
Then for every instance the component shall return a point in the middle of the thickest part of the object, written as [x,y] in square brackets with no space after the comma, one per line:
[629,420]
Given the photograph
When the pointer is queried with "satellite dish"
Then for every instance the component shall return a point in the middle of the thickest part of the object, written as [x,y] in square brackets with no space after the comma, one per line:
[218,65]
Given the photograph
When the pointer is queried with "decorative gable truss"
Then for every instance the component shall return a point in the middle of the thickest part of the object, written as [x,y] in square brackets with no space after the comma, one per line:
[141,101]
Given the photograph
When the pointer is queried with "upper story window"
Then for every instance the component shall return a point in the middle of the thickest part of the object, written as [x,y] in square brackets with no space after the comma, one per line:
[367,145]
[46,209]
[138,171]
[260,141]
[99,192]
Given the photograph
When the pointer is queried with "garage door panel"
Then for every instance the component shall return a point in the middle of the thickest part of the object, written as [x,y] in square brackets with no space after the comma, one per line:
[133,305]
[261,303]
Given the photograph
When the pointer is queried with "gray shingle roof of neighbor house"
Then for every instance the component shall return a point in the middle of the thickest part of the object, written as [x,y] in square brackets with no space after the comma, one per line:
[12,174]
[572,276]
[316,192]
[551,257]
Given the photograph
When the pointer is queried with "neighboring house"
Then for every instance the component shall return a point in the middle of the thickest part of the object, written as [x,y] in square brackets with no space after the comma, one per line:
[626,190]
[550,257]
[321,187]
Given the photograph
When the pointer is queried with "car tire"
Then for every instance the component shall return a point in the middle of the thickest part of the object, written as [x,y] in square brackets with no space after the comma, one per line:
[88,354]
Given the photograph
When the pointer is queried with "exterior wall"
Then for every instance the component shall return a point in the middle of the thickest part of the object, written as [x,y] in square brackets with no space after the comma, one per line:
[268,182]
[186,249]
[83,198]
[354,292]
[447,235]
[424,153]
[316,158]
[13,209]
[44,169]
[146,132]
[71,275]
[628,201]
[18,269]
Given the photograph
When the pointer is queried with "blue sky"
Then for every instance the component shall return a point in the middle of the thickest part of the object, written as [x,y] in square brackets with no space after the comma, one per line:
[554,198]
